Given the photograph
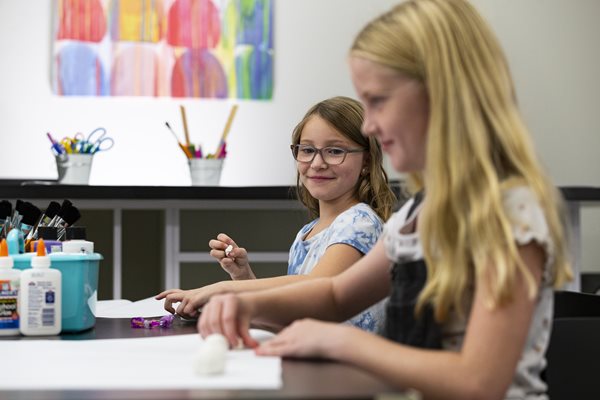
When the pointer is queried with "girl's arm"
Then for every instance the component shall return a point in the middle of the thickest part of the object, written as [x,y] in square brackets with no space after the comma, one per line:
[484,368]
[337,258]
[335,298]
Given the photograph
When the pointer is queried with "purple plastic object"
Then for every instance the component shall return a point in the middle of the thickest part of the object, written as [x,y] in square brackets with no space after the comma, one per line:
[164,322]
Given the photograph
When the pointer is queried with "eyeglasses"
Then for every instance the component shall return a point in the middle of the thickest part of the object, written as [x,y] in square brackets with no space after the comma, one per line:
[331,155]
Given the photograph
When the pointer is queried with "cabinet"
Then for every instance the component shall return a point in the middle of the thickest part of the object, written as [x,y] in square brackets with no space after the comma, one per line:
[262,219]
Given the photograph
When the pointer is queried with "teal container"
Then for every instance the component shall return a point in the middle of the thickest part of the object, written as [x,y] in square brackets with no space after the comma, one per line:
[79,286]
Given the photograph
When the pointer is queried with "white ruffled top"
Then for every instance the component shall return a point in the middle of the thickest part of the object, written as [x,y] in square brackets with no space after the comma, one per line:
[528,224]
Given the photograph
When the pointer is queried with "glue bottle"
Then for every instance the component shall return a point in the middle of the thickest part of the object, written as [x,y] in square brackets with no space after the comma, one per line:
[76,241]
[9,293]
[40,297]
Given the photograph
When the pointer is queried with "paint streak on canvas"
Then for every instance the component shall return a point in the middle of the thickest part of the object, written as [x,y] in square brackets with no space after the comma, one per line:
[254,64]
[194,24]
[81,20]
[197,73]
[136,20]
[178,48]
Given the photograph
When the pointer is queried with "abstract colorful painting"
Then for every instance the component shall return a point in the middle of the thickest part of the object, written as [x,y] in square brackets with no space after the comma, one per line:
[178,48]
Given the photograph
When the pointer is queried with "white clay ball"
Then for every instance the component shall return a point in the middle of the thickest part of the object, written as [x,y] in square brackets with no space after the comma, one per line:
[210,359]
[228,250]
[217,340]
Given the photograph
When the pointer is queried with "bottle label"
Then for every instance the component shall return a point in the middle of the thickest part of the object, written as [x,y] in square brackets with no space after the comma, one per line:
[42,304]
[9,313]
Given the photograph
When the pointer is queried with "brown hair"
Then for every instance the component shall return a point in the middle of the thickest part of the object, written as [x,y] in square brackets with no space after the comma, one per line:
[346,116]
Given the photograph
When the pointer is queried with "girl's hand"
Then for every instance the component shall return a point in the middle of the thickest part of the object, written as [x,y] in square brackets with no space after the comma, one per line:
[307,338]
[171,296]
[235,263]
[190,301]
[230,316]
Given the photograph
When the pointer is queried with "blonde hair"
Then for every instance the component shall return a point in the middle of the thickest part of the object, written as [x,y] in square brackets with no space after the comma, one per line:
[345,115]
[477,144]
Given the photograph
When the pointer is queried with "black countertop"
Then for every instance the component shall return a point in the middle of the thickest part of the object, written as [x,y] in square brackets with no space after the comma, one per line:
[581,193]
[13,189]
[48,189]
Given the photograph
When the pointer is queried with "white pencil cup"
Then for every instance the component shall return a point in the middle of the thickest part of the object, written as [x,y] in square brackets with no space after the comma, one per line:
[205,171]
[74,169]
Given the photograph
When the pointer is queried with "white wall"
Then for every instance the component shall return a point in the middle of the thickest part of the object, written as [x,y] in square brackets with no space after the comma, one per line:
[311,42]
[551,45]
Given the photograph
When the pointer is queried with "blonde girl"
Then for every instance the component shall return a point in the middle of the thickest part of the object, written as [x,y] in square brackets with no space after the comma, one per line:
[474,256]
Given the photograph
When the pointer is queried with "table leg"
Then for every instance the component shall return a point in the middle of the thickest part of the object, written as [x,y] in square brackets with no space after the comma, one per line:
[117,253]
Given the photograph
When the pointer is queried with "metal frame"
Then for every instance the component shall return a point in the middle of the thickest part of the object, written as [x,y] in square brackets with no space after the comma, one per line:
[574,211]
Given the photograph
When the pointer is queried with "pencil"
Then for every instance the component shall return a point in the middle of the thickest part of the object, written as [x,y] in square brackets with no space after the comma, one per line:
[226,130]
[185,127]
[228,124]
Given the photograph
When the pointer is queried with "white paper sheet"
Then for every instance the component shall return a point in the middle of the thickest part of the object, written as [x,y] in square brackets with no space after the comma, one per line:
[117,364]
[104,308]
[126,309]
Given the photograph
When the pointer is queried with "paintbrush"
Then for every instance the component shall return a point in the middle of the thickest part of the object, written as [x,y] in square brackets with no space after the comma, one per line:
[31,215]
[187,152]
[68,218]
[5,212]
[44,219]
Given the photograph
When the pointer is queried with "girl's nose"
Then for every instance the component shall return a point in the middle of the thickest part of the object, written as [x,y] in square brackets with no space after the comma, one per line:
[318,162]
[368,126]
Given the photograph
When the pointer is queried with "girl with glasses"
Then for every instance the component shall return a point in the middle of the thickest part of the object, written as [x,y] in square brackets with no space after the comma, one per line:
[342,183]
[470,263]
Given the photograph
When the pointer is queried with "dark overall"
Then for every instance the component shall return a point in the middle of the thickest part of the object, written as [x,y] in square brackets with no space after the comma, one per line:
[401,323]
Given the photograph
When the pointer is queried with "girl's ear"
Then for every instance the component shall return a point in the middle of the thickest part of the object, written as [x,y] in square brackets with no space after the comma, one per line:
[366,165]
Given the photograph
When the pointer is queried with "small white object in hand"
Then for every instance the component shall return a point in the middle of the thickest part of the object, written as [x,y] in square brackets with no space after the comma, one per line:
[228,250]
[210,359]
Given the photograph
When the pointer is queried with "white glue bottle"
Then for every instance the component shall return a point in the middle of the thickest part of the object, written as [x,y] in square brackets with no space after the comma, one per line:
[9,293]
[40,296]
[76,241]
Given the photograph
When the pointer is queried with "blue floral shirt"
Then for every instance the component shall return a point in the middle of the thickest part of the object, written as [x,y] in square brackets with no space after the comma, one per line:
[359,227]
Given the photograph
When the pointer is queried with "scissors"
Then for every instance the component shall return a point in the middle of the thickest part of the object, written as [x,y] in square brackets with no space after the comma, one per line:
[96,141]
